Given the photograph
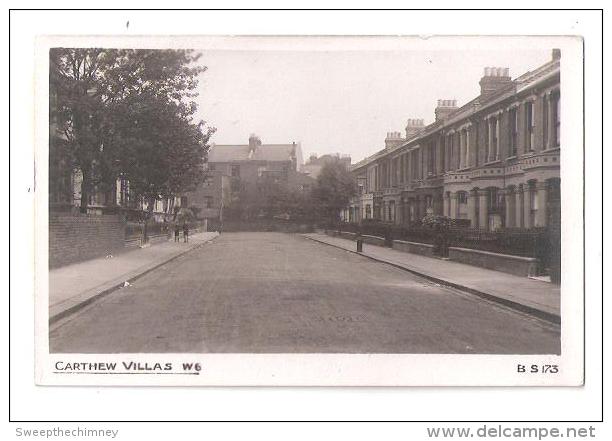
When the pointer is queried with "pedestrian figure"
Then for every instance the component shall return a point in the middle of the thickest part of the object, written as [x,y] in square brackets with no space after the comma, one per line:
[176,232]
[185,232]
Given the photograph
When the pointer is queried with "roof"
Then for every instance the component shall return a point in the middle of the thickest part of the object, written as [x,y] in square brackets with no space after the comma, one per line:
[301,178]
[312,170]
[480,103]
[264,152]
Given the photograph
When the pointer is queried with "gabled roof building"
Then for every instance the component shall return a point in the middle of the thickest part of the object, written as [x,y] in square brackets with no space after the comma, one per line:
[256,152]
[255,170]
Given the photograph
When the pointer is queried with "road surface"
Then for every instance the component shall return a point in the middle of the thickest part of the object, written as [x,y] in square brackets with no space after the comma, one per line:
[276,293]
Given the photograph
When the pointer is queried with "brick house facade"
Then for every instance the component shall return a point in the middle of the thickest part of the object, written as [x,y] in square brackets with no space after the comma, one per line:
[255,171]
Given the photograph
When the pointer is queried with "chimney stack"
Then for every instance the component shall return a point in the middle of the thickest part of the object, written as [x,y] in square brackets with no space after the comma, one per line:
[556,54]
[393,139]
[414,126]
[444,108]
[494,79]
[254,142]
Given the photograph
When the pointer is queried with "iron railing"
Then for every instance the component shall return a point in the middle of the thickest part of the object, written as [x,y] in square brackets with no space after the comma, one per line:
[540,243]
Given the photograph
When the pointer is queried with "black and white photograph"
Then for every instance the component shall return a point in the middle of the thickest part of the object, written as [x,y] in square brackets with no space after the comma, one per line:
[225,218]
[339,196]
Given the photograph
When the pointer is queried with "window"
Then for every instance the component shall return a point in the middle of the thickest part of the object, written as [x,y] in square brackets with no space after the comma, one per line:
[557,119]
[423,156]
[494,138]
[462,149]
[533,203]
[513,132]
[398,170]
[208,201]
[466,161]
[493,200]
[375,178]
[386,178]
[235,171]
[476,133]
[431,157]
[545,124]
[447,154]
[124,188]
[487,140]
[530,120]
[368,211]
[211,167]
[457,149]
[462,197]
[442,156]
[533,199]
[183,201]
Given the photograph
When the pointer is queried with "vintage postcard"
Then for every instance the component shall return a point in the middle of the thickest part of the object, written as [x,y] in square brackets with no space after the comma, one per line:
[335,211]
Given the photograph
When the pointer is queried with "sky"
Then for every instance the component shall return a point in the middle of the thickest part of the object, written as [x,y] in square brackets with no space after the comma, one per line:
[341,101]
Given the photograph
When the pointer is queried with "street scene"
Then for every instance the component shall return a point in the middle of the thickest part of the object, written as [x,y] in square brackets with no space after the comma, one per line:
[221,202]
[278,293]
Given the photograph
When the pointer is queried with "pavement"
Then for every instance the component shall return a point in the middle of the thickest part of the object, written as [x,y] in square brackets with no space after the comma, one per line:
[536,297]
[283,293]
[72,287]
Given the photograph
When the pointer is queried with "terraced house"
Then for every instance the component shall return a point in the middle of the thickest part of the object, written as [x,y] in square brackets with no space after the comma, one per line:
[493,163]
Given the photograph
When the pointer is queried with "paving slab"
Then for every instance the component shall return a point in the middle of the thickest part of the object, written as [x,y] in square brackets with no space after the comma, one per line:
[73,286]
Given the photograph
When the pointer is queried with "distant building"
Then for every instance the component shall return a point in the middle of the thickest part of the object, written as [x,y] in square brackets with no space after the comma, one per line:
[494,162]
[313,167]
[210,198]
[65,197]
[255,171]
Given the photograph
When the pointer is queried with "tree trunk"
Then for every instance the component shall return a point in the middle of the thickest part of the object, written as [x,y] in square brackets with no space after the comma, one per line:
[149,215]
[85,184]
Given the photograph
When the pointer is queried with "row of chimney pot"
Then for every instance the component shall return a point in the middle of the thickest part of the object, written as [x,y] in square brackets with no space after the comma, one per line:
[496,72]
[416,122]
[394,135]
[494,78]
[447,103]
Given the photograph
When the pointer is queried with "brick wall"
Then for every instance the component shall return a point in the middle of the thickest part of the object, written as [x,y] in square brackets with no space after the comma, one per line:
[78,238]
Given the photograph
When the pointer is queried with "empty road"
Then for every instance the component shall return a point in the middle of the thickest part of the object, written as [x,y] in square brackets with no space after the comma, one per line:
[275,293]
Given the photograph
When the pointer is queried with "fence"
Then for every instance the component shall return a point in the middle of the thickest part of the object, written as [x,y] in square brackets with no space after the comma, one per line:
[157,231]
[518,242]
[541,243]
[136,230]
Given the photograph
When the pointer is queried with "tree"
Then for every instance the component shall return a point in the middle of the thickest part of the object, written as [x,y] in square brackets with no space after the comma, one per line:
[334,188]
[119,111]
[158,149]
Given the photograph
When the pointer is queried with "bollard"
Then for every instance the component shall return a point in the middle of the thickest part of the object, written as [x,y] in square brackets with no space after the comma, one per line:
[359,245]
